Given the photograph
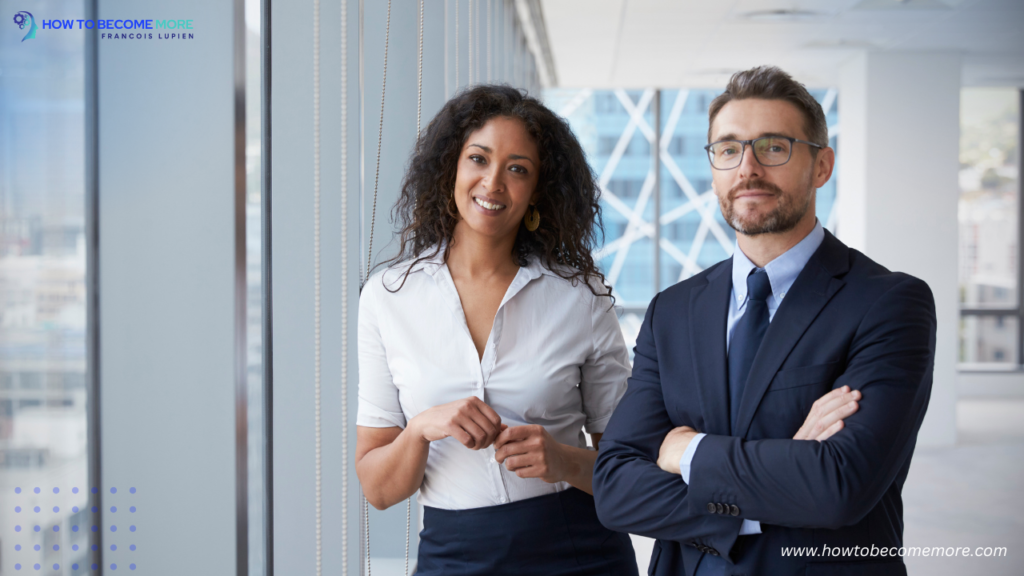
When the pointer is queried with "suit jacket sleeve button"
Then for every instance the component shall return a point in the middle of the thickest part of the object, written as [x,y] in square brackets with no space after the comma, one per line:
[713,551]
[719,508]
[734,510]
[711,508]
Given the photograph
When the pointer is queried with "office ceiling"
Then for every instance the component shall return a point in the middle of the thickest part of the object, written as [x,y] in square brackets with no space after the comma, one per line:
[695,43]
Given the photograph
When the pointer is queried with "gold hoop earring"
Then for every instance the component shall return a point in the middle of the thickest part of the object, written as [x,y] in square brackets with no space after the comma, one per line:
[532,218]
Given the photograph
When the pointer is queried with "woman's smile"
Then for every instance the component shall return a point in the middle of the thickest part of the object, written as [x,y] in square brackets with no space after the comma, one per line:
[488,205]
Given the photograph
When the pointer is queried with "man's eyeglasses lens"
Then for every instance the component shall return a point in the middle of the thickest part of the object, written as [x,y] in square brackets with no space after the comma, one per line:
[769,151]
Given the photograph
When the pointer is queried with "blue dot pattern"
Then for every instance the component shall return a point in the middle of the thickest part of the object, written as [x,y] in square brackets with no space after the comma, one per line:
[56,527]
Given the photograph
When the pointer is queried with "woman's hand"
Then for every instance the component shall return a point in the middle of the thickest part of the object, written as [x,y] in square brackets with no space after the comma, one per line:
[531,452]
[827,414]
[470,421]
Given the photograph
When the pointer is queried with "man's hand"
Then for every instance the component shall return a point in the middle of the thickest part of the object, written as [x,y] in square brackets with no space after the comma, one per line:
[827,414]
[673,446]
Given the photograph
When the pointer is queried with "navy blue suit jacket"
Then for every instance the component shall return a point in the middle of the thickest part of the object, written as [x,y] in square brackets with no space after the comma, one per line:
[846,321]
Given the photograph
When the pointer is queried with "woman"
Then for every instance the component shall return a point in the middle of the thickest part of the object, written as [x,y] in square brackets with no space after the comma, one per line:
[489,344]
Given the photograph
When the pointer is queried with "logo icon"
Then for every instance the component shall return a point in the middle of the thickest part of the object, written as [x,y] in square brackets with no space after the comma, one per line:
[22,18]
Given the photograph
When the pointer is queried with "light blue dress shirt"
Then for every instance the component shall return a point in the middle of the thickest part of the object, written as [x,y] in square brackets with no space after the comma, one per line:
[782,273]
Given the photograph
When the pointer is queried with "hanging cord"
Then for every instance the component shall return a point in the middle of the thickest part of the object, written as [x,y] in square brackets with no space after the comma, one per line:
[490,18]
[445,50]
[419,111]
[344,287]
[456,45]
[380,139]
[316,271]
[364,525]
[419,75]
[469,42]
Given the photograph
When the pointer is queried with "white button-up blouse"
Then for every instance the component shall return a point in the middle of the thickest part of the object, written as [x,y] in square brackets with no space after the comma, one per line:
[555,357]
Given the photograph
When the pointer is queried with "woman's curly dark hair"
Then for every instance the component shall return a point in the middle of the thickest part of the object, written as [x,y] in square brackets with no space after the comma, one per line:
[567,189]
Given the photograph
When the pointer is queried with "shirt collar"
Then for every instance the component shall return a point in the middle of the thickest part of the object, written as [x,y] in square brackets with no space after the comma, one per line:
[782,271]
[432,265]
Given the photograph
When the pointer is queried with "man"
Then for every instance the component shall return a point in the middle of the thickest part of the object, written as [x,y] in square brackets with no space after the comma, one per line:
[775,397]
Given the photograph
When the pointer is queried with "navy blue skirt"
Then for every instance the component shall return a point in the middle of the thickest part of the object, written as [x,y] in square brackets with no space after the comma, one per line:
[557,534]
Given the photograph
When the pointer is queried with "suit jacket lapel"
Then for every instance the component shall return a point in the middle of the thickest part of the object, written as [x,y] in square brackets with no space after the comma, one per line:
[709,311]
[814,287]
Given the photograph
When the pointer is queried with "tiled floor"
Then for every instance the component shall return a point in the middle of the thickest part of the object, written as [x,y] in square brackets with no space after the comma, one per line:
[970,495]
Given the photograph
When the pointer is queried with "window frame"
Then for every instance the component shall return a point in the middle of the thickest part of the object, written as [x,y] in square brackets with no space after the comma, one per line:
[1016,311]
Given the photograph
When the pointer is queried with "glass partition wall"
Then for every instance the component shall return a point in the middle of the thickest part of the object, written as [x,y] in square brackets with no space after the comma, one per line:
[44,465]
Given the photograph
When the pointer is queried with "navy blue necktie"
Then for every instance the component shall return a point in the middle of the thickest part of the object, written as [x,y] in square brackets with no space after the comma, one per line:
[746,338]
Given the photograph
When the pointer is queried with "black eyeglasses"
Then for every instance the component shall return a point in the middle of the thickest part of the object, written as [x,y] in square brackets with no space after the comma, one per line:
[768,151]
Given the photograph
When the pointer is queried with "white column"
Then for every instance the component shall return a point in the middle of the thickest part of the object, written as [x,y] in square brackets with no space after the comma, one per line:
[898,192]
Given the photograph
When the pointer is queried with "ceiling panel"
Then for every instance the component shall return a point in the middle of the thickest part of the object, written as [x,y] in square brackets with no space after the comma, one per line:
[612,43]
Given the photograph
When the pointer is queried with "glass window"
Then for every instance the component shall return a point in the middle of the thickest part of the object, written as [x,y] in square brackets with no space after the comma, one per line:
[254,283]
[43,454]
[988,214]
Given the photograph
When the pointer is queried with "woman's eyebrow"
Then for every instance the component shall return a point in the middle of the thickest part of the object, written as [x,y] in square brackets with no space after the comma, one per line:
[511,156]
[518,157]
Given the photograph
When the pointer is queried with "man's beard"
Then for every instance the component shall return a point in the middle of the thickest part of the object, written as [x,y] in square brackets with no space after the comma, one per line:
[788,211]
